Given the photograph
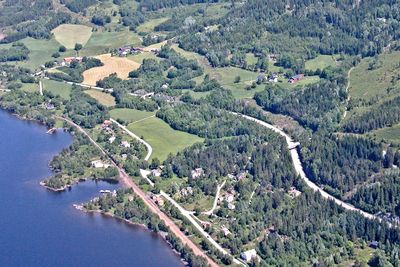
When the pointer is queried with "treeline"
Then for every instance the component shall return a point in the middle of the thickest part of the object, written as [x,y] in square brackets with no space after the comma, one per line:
[341,163]
[152,5]
[136,211]
[78,5]
[74,163]
[31,105]
[313,106]
[383,115]
[295,31]
[73,73]
[31,18]
[17,52]
[207,121]
[381,195]
[85,110]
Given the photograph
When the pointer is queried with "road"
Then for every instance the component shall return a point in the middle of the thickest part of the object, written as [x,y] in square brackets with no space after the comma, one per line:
[40,88]
[188,216]
[300,171]
[211,211]
[127,181]
[148,146]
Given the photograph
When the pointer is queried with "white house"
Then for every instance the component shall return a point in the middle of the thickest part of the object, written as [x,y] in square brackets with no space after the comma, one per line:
[125,144]
[99,164]
[249,255]
[197,173]
[111,139]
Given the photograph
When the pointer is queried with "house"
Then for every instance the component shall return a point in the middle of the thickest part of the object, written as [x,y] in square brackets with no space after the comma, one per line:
[124,156]
[231,176]
[124,50]
[293,192]
[225,231]
[163,97]
[49,106]
[111,139]
[125,144]
[99,164]
[106,124]
[249,255]
[156,172]
[273,78]
[296,78]
[69,60]
[231,206]
[186,191]
[164,86]
[374,244]
[197,173]
[241,176]
[229,198]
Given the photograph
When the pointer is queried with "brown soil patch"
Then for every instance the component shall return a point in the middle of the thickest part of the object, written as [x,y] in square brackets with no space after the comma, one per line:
[120,65]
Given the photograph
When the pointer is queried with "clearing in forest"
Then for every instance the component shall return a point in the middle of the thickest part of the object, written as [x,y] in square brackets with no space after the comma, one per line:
[70,34]
[120,65]
[130,115]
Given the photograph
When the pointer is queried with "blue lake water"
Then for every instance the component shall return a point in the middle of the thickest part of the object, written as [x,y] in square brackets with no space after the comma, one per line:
[42,228]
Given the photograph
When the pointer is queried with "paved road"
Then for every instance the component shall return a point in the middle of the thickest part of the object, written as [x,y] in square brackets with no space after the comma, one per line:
[187,214]
[127,181]
[300,171]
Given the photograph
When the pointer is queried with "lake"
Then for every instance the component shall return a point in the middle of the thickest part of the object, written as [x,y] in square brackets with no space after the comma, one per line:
[42,228]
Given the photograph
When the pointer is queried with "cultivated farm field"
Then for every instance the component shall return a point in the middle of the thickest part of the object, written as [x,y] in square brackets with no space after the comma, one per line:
[120,65]
[70,34]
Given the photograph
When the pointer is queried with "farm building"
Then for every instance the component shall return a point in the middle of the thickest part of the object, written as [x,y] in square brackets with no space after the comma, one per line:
[296,78]
[69,60]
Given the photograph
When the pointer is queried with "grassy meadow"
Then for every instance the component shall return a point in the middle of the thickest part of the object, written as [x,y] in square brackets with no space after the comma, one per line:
[104,98]
[130,115]
[70,34]
[320,62]
[162,137]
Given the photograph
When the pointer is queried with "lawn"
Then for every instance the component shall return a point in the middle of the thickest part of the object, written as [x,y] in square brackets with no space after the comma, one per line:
[391,134]
[103,98]
[366,83]
[149,26]
[103,42]
[57,88]
[70,34]
[130,115]
[321,62]
[162,137]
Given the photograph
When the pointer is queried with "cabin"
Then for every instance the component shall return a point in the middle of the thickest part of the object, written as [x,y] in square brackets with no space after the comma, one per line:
[125,144]
[293,192]
[296,78]
[249,255]
[111,139]
[374,244]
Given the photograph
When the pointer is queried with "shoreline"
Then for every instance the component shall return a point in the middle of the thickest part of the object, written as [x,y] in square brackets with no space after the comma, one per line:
[81,208]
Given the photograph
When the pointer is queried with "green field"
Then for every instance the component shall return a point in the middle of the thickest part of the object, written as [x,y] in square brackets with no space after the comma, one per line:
[130,115]
[148,26]
[367,83]
[251,59]
[142,56]
[57,88]
[390,134]
[70,34]
[104,98]
[40,52]
[321,62]
[196,95]
[162,137]
[102,42]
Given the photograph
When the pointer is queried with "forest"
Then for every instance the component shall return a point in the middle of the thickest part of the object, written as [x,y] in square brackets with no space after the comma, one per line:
[383,115]
[17,52]
[85,110]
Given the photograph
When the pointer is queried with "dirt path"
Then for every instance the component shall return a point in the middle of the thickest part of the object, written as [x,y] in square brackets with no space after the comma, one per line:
[211,211]
[127,181]
[347,91]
